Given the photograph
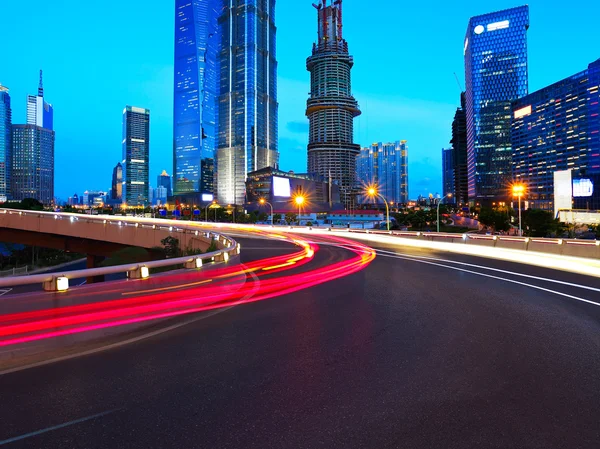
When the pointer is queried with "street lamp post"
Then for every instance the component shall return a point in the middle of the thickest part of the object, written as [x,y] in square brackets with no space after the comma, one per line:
[438,209]
[262,201]
[372,192]
[518,190]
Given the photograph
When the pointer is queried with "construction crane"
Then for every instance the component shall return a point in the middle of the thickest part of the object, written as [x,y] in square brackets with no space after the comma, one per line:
[458,82]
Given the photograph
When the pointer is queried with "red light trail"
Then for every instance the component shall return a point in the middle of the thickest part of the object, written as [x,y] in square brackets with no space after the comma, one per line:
[205,295]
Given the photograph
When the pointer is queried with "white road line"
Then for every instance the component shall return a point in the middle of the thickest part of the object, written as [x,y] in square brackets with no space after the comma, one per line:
[4,291]
[60,426]
[512,281]
[569,284]
[134,339]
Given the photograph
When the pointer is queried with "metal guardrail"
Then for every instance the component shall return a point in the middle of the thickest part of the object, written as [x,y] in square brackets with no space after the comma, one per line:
[137,270]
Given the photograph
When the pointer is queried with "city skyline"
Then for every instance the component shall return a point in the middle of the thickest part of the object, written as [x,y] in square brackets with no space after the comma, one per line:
[410,97]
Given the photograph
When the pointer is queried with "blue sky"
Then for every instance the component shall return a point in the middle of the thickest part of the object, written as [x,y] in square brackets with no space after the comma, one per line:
[98,57]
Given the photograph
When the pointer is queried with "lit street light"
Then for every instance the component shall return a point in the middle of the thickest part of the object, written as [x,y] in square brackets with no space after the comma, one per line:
[262,202]
[372,192]
[299,200]
[438,209]
[518,190]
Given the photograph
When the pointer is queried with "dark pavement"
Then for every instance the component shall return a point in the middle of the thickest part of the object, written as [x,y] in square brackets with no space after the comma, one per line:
[404,354]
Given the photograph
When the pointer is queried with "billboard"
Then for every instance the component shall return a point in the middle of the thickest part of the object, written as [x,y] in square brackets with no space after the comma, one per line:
[583,188]
[282,187]
[563,191]
[207,197]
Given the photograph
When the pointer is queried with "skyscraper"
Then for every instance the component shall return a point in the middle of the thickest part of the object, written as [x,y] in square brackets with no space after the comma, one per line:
[5,144]
[196,87]
[32,174]
[164,180]
[136,155]
[331,108]
[496,75]
[39,112]
[448,173]
[386,166]
[459,153]
[116,191]
[554,129]
[247,123]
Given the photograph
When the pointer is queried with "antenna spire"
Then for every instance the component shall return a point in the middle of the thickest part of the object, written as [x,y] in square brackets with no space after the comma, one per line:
[41,86]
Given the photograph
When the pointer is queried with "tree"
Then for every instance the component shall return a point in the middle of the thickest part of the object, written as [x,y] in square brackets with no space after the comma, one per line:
[276,218]
[494,219]
[539,223]
[171,245]
[290,217]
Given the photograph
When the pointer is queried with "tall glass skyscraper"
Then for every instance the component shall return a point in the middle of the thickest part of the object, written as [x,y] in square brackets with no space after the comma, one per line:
[496,75]
[5,143]
[196,85]
[386,166]
[247,123]
[448,173]
[116,190]
[39,112]
[331,108]
[136,155]
[164,180]
[459,153]
[32,174]
[554,129]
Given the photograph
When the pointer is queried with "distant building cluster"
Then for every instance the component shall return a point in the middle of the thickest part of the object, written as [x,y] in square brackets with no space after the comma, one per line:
[502,135]
[27,150]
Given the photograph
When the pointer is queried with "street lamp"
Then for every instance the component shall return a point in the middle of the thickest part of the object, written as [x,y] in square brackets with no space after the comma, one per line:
[438,209]
[214,203]
[372,192]
[518,190]
[299,200]
[262,202]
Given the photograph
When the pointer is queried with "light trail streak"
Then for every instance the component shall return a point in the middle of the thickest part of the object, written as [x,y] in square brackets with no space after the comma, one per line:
[41,325]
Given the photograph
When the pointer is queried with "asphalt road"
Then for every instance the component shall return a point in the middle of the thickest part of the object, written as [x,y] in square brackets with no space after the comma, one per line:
[409,353]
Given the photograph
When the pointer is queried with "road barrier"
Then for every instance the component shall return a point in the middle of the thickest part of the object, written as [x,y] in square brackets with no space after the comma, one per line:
[55,222]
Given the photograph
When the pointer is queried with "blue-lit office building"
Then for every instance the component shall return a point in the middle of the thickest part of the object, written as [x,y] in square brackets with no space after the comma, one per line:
[385,165]
[496,74]
[136,156]
[448,173]
[5,143]
[196,84]
[247,105]
[554,129]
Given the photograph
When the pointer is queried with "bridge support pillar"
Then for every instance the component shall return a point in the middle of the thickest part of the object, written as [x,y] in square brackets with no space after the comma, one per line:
[93,262]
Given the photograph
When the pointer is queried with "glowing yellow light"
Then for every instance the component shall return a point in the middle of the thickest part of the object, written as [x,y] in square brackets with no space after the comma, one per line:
[299,200]
[518,189]
[262,201]
[144,272]
[62,284]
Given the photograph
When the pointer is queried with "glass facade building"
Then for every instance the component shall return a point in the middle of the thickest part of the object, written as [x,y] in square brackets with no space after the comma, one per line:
[164,180]
[5,143]
[39,112]
[459,153]
[116,191]
[496,74]
[331,108]
[247,103]
[136,155]
[386,166]
[448,173]
[557,128]
[196,82]
[32,174]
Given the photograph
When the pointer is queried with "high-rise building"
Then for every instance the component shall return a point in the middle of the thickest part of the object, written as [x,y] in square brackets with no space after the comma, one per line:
[92,197]
[136,155]
[247,124]
[331,108]
[448,173]
[196,87]
[385,165]
[32,174]
[554,129]
[459,153]
[496,75]
[5,143]
[39,112]
[164,180]
[116,190]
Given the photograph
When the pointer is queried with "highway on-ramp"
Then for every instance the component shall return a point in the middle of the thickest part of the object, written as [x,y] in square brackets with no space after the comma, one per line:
[419,349]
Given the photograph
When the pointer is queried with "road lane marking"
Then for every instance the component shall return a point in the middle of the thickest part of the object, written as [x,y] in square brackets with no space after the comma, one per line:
[555,281]
[60,426]
[512,281]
